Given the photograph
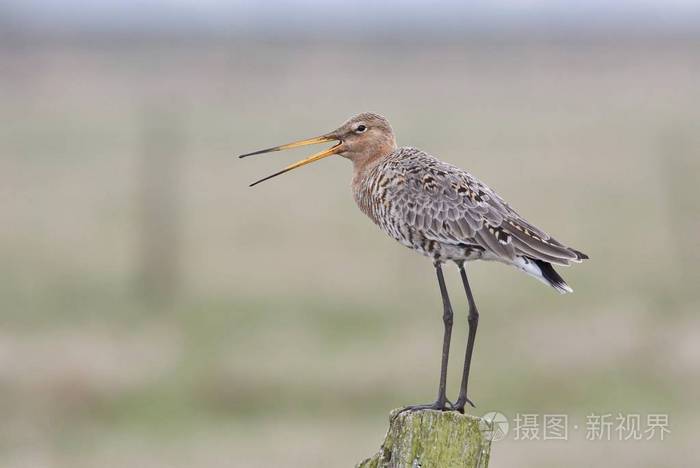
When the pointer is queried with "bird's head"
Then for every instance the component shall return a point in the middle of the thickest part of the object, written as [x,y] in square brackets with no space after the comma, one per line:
[363,138]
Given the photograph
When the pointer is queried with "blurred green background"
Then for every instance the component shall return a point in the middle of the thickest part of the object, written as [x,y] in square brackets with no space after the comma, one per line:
[156,312]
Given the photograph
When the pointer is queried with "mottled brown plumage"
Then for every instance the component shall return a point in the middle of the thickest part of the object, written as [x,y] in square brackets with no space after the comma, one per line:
[440,211]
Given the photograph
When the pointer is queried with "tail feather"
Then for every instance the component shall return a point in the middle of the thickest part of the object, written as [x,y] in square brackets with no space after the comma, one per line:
[580,255]
[549,275]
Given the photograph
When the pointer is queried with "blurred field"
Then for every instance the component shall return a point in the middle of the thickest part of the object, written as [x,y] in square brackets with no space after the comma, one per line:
[291,326]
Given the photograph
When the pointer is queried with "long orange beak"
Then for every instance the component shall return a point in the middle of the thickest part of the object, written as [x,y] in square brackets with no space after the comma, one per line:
[311,141]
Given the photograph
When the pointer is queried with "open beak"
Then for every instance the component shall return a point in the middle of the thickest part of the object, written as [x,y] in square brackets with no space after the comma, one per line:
[311,141]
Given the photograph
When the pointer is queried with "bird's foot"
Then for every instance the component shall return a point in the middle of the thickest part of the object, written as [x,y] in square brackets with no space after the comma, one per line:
[437,406]
[461,403]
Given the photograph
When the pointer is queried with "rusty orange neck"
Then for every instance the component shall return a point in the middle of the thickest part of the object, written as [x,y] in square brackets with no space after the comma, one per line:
[362,164]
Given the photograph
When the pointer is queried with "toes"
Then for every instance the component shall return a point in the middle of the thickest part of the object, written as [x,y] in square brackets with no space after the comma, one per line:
[446,406]
[459,406]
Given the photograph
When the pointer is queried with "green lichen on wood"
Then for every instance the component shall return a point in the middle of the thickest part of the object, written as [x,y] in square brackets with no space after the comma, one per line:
[432,439]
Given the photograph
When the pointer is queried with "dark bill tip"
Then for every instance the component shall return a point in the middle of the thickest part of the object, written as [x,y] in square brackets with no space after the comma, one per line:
[268,177]
[266,150]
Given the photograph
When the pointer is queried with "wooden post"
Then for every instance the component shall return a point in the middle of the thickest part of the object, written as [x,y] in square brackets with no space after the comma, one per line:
[432,439]
[161,160]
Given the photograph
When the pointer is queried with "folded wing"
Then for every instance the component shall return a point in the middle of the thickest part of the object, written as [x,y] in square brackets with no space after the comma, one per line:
[447,204]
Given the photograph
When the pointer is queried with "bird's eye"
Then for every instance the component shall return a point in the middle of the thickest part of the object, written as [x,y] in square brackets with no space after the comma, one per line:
[360,128]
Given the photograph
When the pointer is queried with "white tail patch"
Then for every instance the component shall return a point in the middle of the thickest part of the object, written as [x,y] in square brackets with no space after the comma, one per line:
[532,269]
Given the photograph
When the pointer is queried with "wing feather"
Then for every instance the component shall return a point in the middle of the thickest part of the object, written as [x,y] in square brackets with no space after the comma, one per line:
[449,205]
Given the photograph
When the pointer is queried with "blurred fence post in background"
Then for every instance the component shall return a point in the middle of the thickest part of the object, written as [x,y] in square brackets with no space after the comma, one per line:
[163,145]
[679,166]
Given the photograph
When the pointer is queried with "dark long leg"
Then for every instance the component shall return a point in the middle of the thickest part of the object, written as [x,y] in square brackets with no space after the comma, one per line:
[447,318]
[473,320]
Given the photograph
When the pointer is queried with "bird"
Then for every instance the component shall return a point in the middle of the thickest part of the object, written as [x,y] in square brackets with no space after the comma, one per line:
[442,212]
